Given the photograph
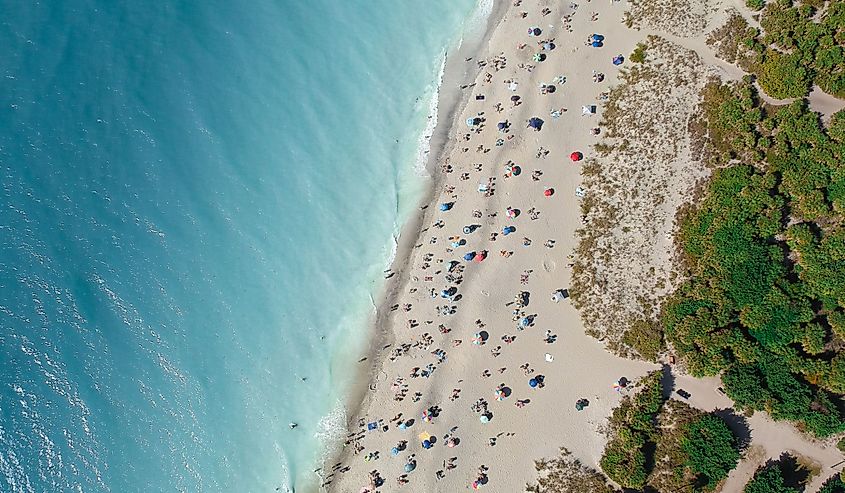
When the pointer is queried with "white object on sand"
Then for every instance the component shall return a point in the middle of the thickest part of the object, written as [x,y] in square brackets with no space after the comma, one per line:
[549,357]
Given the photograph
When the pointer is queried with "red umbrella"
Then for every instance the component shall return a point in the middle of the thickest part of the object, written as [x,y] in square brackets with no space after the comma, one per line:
[576,156]
[480,256]
[549,192]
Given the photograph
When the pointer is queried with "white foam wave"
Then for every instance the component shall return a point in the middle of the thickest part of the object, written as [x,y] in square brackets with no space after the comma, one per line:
[477,21]
[330,432]
[424,142]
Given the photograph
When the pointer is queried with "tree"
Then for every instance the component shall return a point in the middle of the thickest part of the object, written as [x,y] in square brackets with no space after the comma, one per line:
[783,76]
[769,480]
[712,450]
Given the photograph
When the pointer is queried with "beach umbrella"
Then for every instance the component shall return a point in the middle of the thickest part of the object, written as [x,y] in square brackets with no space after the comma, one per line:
[549,192]
[537,31]
[426,444]
[548,46]
[394,451]
[502,125]
[410,466]
[445,206]
[525,322]
[480,256]
[576,156]
[510,212]
[618,60]
[477,339]
[424,436]
[596,44]
[469,256]
[484,418]
[451,443]
[597,37]
[535,123]
[514,98]
[532,383]
[508,230]
[539,57]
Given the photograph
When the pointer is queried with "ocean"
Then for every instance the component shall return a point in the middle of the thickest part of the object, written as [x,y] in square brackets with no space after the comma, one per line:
[198,200]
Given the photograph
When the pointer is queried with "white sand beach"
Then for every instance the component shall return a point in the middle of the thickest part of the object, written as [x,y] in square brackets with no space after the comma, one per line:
[463,338]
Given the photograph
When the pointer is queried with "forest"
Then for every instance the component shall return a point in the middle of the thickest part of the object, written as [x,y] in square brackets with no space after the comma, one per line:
[764,249]
[765,256]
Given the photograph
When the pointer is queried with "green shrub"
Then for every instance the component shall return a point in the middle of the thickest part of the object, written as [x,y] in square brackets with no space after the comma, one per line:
[783,75]
[712,450]
[833,485]
[638,56]
[645,337]
[769,480]
[633,431]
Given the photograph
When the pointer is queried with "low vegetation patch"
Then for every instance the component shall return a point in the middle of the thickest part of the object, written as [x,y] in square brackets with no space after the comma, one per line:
[565,474]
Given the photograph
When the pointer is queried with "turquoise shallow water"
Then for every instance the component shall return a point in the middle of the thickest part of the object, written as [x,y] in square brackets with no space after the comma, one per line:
[197,202]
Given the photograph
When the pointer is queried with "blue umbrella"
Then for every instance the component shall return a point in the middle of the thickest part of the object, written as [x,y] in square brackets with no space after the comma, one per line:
[410,466]
[532,383]
[596,44]
[535,123]
[469,256]
[394,451]
[445,206]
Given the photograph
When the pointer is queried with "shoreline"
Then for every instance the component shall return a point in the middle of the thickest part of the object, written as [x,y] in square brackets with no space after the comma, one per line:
[582,359]
[451,96]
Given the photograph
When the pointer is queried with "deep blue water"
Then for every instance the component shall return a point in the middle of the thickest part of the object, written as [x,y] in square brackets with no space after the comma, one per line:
[197,203]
